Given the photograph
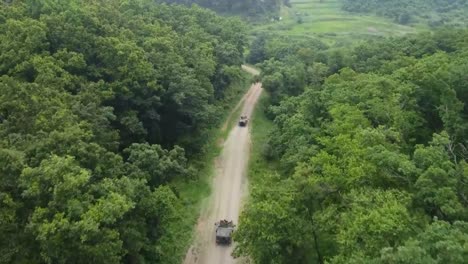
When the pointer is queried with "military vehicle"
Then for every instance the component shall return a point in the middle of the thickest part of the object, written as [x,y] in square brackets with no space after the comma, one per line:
[243,121]
[224,229]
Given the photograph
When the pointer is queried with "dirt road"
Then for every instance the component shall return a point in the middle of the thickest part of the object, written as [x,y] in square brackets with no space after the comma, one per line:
[229,187]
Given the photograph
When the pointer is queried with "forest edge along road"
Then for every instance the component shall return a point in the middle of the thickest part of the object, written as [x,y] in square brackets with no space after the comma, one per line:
[228,188]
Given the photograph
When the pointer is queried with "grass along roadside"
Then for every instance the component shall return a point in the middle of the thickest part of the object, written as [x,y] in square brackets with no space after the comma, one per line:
[261,127]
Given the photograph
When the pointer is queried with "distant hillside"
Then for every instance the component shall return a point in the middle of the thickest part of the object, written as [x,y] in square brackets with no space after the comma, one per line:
[434,12]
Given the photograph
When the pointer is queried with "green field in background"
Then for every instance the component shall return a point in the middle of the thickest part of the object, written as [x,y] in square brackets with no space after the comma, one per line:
[325,18]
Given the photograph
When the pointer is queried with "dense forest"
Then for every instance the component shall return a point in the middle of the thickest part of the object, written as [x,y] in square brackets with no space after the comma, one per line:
[369,152]
[102,104]
[249,8]
[434,12]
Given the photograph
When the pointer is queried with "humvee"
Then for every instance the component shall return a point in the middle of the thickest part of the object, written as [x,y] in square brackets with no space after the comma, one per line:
[243,121]
[224,231]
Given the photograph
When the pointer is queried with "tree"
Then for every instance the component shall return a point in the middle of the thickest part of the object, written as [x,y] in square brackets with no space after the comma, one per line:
[437,185]
[257,50]
[440,242]
[272,229]
[67,223]
[157,164]
[372,220]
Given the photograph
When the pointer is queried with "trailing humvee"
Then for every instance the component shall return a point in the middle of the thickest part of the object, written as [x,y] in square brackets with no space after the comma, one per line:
[224,231]
[243,121]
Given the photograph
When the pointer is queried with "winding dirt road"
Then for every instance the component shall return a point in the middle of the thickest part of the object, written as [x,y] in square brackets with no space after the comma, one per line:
[229,188]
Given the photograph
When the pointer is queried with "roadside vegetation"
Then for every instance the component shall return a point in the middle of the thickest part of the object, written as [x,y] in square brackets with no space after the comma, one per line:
[369,147]
[366,161]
